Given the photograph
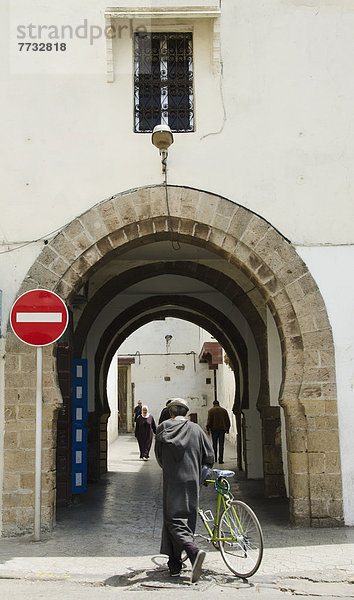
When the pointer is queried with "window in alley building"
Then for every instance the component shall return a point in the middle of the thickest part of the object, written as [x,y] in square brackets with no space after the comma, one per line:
[163,81]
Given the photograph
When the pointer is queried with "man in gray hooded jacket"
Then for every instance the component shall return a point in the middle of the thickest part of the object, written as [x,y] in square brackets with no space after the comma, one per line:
[181,448]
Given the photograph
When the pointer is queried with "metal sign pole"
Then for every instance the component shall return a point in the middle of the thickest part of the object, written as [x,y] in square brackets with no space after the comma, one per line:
[39,318]
[38,466]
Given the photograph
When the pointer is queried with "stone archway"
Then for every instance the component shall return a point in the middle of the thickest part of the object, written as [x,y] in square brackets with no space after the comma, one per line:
[308,391]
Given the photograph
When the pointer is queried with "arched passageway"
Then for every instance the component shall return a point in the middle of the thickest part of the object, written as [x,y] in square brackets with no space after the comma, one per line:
[115,267]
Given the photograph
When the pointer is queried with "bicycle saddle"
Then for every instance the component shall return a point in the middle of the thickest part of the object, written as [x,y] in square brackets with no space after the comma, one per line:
[219,473]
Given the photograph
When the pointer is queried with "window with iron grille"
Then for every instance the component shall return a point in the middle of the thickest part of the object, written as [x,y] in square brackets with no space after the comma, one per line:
[163,81]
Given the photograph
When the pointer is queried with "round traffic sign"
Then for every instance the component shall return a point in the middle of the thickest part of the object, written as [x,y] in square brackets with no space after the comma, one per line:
[39,317]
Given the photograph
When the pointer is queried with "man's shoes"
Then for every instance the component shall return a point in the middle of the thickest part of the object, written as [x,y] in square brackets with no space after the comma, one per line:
[221,462]
[175,566]
[197,566]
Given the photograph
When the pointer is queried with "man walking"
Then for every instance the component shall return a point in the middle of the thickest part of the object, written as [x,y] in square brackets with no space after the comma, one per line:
[165,413]
[218,424]
[181,448]
[137,411]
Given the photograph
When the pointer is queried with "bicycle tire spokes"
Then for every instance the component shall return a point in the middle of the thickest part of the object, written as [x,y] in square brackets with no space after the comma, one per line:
[241,539]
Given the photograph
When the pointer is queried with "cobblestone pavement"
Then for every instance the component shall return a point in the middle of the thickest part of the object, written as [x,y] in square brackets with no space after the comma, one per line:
[109,542]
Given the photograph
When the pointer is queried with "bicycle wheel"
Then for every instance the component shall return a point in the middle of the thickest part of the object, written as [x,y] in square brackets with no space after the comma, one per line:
[241,543]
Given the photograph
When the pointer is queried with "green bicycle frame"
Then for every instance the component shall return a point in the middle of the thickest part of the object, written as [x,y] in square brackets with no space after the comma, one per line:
[223,496]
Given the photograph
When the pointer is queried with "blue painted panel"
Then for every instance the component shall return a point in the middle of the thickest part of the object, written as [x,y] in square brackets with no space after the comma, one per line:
[79,439]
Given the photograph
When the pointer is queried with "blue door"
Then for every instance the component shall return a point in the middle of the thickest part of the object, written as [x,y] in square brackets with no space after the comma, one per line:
[79,440]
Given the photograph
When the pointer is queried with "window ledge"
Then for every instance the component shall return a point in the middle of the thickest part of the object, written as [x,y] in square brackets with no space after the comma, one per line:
[190,12]
[181,12]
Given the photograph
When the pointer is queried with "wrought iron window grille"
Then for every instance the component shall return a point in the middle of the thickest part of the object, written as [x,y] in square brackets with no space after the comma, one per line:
[163,81]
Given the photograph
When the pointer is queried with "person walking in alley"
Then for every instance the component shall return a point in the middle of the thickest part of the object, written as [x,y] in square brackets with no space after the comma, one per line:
[181,449]
[137,411]
[144,432]
[165,413]
[218,424]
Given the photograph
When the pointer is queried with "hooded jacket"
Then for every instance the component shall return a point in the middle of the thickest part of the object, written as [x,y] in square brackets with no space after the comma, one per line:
[176,436]
[181,448]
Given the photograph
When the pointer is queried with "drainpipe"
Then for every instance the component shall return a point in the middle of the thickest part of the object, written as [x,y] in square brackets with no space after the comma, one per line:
[215,388]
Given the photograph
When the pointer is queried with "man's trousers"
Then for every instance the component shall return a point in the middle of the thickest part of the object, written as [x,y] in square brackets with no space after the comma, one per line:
[218,435]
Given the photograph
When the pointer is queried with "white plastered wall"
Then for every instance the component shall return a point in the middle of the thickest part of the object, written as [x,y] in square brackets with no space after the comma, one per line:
[272,132]
[332,269]
[226,396]
[112,394]
[156,359]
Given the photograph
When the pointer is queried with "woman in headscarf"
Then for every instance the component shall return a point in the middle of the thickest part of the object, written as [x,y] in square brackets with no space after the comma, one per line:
[144,431]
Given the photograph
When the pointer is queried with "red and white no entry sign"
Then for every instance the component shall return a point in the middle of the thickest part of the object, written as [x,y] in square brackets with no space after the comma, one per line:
[39,317]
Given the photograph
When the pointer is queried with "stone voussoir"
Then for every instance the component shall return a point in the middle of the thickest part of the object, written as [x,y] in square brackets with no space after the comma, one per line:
[47,256]
[45,278]
[146,228]
[201,231]
[239,222]
[74,229]
[222,215]
[271,242]
[187,203]
[82,242]
[94,225]
[255,231]
[65,247]
[64,289]
[125,208]
[109,215]
[104,246]
[207,208]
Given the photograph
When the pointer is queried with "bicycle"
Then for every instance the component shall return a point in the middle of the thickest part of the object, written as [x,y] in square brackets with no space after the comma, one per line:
[235,531]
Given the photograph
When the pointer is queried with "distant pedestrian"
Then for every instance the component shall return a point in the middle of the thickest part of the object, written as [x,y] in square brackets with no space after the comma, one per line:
[137,411]
[218,424]
[181,449]
[144,432]
[165,413]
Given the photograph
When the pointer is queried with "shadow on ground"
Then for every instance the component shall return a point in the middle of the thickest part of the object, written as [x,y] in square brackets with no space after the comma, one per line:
[159,578]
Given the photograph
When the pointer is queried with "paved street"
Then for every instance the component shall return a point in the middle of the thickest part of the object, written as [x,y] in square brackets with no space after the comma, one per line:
[108,543]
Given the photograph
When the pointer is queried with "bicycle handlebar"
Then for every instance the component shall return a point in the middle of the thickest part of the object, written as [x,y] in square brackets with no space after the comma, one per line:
[221,485]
